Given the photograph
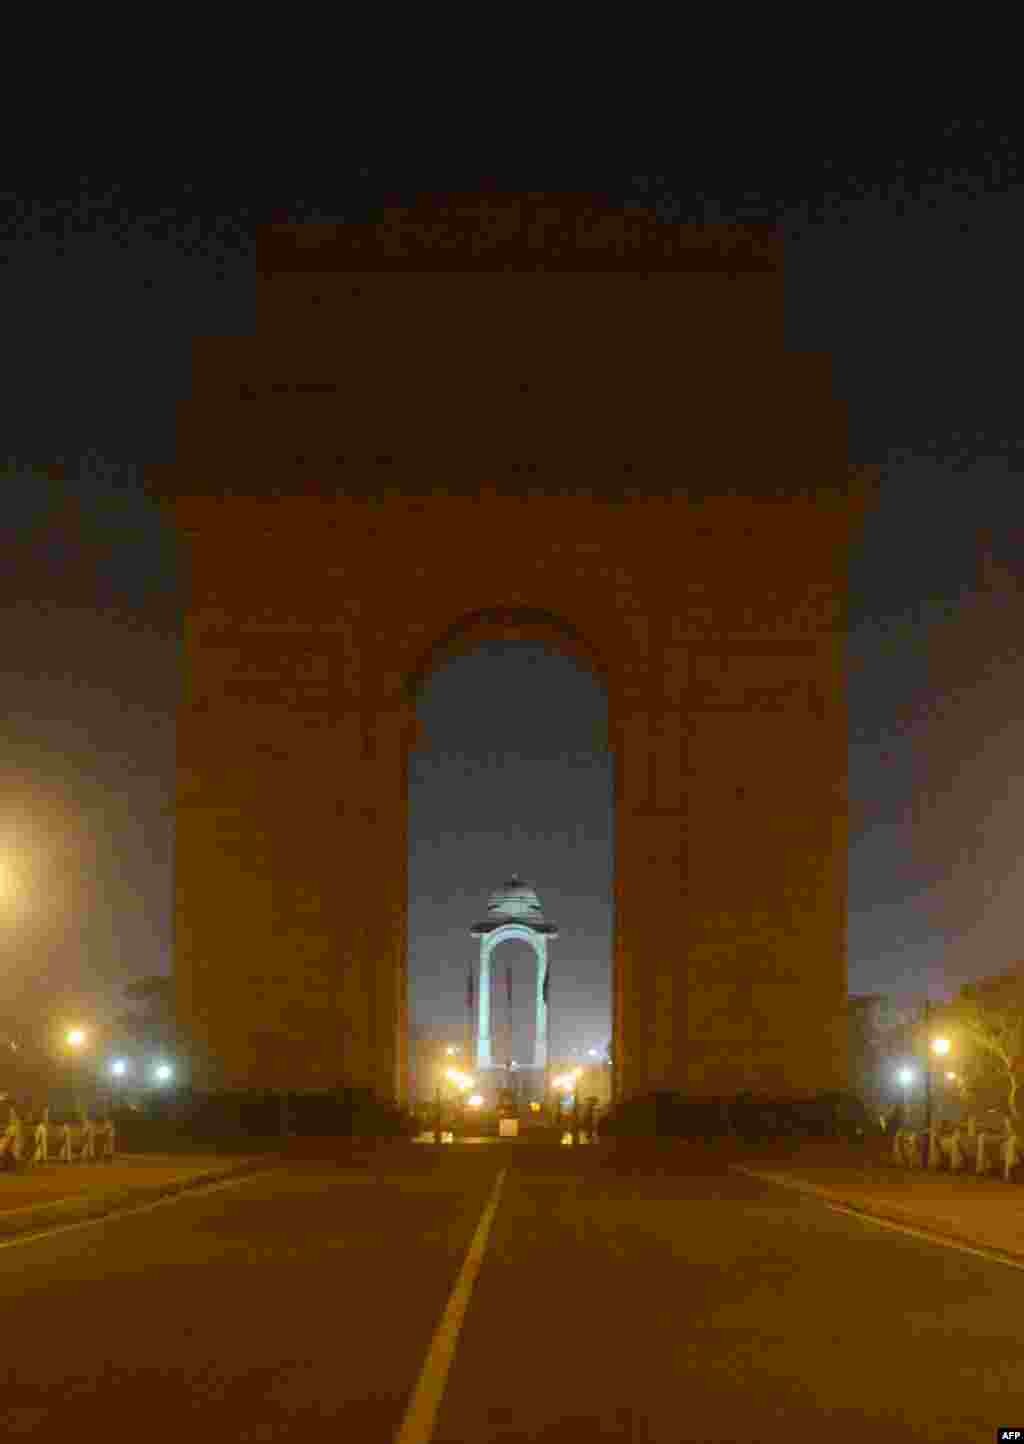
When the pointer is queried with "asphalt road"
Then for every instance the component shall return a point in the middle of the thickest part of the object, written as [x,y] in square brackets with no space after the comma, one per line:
[608,1303]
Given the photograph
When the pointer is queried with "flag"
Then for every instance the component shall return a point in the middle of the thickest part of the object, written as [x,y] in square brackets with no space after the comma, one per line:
[544,990]
[508,982]
[469,988]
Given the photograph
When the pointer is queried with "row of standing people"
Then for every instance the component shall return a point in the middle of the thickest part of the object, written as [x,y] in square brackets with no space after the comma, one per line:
[96,1140]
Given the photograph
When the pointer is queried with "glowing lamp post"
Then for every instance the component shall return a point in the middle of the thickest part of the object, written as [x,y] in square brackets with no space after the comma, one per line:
[577,1115]
[570,1083]
[75,1039]
[118,1069]
[463,1085]
[905,1077]
[939,1046]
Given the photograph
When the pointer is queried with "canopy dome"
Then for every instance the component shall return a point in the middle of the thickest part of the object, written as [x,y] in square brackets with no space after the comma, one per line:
[515,898]
[516,901]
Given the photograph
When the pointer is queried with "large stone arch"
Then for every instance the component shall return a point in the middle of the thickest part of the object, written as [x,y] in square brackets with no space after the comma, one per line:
[508,932]
[465,634]
[353,480]
[507,624]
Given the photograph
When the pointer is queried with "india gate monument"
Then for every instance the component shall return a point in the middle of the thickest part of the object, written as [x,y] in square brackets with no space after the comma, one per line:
[536,418]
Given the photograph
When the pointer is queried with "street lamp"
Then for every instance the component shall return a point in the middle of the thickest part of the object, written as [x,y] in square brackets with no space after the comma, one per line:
[118,1069]
[577,1112]
[906,1077]
[463,1083]
[76,1038]
[570,1083]
[941,1047]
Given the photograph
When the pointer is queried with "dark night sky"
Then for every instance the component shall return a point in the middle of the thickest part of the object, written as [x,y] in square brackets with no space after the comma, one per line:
[904,265]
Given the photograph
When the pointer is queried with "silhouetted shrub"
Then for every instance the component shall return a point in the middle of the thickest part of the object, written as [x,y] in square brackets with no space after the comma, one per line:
[255,1121]
[748,1118]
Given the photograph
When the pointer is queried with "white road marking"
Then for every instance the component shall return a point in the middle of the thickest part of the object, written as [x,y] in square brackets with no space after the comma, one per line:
[421,1415]
[952,1243]
[810,1190]
[200,1191]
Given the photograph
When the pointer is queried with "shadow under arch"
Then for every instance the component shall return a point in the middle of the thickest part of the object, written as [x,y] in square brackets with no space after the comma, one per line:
[507,624]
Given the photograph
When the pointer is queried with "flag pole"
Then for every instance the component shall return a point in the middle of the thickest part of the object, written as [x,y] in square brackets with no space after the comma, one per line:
[470,1055]
[508,1015]
[545,994]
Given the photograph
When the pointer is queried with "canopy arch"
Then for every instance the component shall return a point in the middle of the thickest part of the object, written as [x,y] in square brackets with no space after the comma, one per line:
[513,912]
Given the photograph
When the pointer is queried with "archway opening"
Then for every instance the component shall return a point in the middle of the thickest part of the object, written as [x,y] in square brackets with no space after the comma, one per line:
[514,1030]
[511,779]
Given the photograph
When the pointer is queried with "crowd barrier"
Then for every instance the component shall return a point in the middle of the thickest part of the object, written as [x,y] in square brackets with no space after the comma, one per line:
[84,1142]
[961,1150]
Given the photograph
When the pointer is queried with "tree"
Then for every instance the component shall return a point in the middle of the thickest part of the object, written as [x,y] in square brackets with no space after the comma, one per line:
[990,1022]
[867,1049]
[26,1068]
[156,992]
[880,1038]
[152,1025]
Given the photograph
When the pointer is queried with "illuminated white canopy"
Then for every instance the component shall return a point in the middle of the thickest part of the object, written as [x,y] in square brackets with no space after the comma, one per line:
[513,912]
[516,901]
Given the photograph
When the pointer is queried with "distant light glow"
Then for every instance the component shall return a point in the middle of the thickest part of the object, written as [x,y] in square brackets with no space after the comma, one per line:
[8,883]
[906,1076]
[163,1072]
[76,1037]
[119,1067]
[941,1045]
[475,1100]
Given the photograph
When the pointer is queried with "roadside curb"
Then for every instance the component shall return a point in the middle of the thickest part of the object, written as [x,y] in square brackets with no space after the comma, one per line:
[32,1218]
[904,1220]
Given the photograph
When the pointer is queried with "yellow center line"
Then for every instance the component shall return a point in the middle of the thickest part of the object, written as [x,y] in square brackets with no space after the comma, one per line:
[421,1414]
